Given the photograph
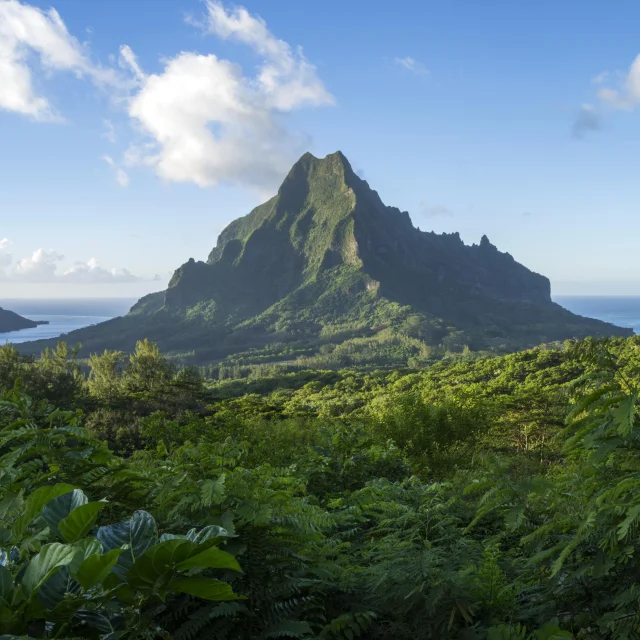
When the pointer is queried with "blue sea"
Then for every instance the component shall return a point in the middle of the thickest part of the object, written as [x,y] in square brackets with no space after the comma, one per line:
[67,315]
[623,311]
[63,315]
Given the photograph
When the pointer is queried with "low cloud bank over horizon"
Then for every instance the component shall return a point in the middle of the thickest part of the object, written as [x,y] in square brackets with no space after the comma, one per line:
[43,266]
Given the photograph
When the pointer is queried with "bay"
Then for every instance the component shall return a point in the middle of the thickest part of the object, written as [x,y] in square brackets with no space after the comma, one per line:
[63,315]
[623,311]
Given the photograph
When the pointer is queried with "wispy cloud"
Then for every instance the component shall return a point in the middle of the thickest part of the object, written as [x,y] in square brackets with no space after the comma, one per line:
[412,65]
[587,120]
[25,30]
[601,78]
[627,94]
[109,131]
[129,61]
[33,40]
[122,177]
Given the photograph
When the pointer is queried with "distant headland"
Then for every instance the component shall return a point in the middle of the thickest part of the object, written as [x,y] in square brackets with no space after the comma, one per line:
[10,321]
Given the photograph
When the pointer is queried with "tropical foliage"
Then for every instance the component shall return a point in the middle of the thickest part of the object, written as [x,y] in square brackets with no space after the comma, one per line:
[491,498]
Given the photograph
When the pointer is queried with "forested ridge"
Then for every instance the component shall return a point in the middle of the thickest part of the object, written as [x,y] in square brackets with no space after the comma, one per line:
[477,498]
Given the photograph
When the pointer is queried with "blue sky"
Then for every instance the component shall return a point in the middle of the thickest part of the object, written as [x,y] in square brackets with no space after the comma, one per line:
[131,133]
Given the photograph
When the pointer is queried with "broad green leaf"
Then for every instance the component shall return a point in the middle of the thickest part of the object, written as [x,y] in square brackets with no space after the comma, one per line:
[6,586]
[79,522]
[203,588]
[212,558]
[172,536]
[552,632]
[11,503]
[119,589]
[84,548]
[57,588]
[154,569]
[96,568]
[88,546]
[507,632]
[207,533]
[34,505]
[44,564]
[101,622]
[138,534]
[59,508]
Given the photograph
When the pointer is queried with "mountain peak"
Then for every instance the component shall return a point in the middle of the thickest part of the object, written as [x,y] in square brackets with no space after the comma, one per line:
[324,255]
[324,217]
[336,156]
[309,164]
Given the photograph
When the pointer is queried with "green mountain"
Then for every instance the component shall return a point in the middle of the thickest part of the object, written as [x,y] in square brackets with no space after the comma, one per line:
[10,321]
[324,270]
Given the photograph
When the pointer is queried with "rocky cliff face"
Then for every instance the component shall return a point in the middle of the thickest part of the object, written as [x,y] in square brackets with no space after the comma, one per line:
[323,217]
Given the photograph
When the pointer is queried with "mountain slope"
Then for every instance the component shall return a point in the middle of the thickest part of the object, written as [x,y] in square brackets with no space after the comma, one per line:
[10,321]
[324,264]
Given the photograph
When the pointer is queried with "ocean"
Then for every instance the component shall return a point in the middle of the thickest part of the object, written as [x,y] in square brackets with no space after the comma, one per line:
[623,311]
[63,315]
[67,315]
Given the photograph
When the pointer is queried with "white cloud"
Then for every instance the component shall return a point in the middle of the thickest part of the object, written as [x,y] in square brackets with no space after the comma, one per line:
[122,178]
[128,61]
[5,257]
[201,118]
[286,79]
[43,267]
[91,272]
[210,123]
[627,96]
[412,65]
[26,30]
[39,267]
